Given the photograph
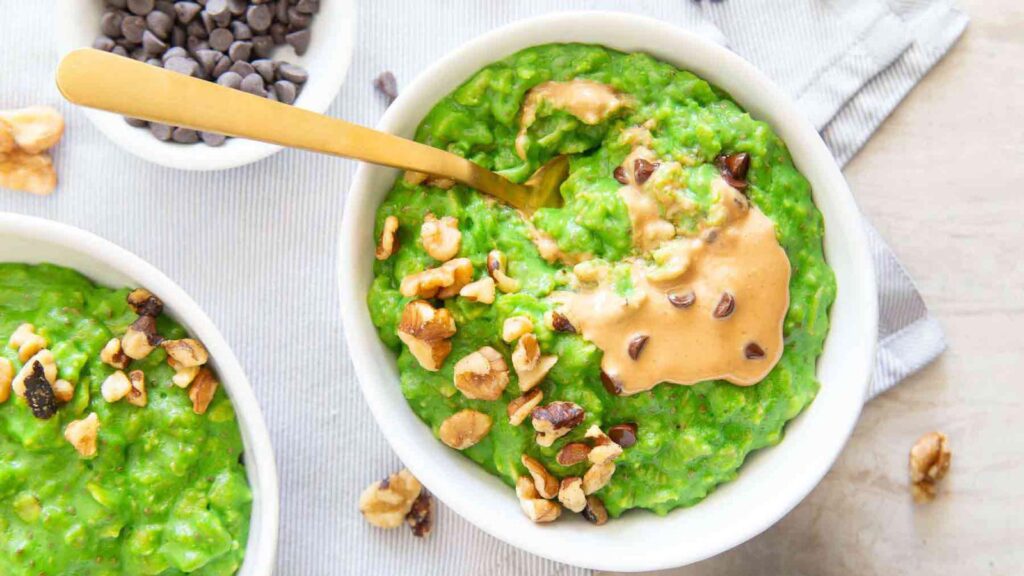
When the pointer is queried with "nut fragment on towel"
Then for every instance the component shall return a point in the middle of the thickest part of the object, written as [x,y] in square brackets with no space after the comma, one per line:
[25,136]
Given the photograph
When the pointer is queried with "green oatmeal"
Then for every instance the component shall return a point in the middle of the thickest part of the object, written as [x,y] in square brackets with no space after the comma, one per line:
[159,489]
[661,140]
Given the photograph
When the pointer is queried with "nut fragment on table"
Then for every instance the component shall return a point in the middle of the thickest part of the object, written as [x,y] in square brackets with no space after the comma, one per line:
[34,129]
[82,434]
[421,516]
[388,238]
[536,508]
[425,330]
[929,461]
[441,238]
[482,375]
[25,135]
[464,429]
[386,503]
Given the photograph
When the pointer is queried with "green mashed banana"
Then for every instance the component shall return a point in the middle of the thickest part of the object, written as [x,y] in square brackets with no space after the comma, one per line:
[689,438]
[165,491]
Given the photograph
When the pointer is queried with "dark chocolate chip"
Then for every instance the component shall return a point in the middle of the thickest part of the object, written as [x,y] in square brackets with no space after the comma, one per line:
[262,46]
[186,11]
[140,7]
[165,6]
[637,344]
[208,59]
[623,434]
[179,36]
[264,68]
[286,91]
[132,28]
[611,384]
[160,24]
[642,170]
[682,300]
[152,45]
[387,85]
[217,7]
[162,132]
[308,6]
[185,136]
[243,69]
[561,324]
[110,23]
[240,50]
[104,43]
[278,31]
[734,168]
[725,307]
[753,351]
[39,393]
[241,30]
[173,52]
[259,17]
[620,174]
[297,20]
[222,66]
[292,73]
[212,139]
[231,79]
[186,66]
[237,7]
[253,84]
[281,11]
[221,39]
[195,29]
[299,40]
[136,122]
[119,50]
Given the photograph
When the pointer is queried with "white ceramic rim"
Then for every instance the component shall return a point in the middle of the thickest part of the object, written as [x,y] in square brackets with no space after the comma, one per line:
[853,317]
[327,59]
[261,469]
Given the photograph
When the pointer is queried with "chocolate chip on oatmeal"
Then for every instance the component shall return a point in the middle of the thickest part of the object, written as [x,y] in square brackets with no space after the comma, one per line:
[733,168]
[611,384]
[558,322]
[144,303]
[725,307]
[753,351]
[421,516]
[555,420]
[39,393]
[642,170]
[682,300]
[637,344]
[595,512]
[623,434]
[386,84]
[620,174]
[572,453]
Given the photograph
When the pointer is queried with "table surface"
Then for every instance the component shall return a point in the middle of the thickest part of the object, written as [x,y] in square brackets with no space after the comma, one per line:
[941,181]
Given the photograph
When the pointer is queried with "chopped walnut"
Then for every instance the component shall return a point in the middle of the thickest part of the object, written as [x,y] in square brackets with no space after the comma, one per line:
[26,342]
[598,476]
[144,303]
[187,352]
[496,263]
[421,516]
[482,375]
[203,388]
[515,327]
[441,182]
[33,173]
[141,338]
[595,512]
[570,494]
[480,291]
[464,429]
[415,178]
[22,333]
[113,356]
[63,391]
[425,331]
[555,420]
[137,396]
[387,502]
[558,322]
[182,376]
[604,450]
[6,375]
[116,386]
[530,366]
[536,508]
[444,281]
[388,238]
[572,453]
[35,128]
[441,238]
[545,483]
[929,461]
[82,434]
[45,359]
[521,407]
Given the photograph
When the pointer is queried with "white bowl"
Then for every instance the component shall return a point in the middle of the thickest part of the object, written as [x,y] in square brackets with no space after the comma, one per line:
[327,60]
[34,240]
[773,480]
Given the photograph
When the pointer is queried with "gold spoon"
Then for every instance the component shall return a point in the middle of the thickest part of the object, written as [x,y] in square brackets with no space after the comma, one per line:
[106,81]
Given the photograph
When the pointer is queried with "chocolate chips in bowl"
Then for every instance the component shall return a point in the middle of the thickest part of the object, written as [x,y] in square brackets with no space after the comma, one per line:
[230,42]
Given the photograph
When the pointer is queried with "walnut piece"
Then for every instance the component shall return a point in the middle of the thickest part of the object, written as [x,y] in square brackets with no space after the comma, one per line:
[444,281]
[144,303]
[203,388]
[464,429]
[187,352]
[521,407]
[425,331]
[141,338]
[82,434]
[63,391]
[35,128]
[26,342]
[598,476]
[530,366]
[572,453]
[113,356]
[441,238]
[33,173]
[555,420]
[386,503]
[182,376]
[480,291]
[515,327]
[595,512]
[482,375]
[116,386]
[421,516]
[536,508]
[929,461]
[6,375]
[570,494]
[45,359]
[496,263]
[545,483]
[137,395]
[604,450]
[25,134]
[388,238]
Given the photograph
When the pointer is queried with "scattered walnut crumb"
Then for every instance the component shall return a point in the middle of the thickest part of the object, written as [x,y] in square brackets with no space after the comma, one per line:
[113,356]
[496,264]
[425,330]
[6,376]
[82,434]
[388,238]
[530,366]
[421,516]
[187,352]
[116,386]
[387,503]
[25,135]
[137,395]
[929,461]
[444,281]
[63,391]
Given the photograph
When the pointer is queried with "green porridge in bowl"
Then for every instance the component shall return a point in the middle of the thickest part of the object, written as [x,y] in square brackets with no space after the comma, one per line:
[630,348]
[119,452]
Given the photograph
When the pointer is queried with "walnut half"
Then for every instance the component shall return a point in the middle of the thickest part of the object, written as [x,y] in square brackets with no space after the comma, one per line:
[444,281]
[929,461]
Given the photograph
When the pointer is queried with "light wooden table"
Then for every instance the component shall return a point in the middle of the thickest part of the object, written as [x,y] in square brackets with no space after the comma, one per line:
[943,180]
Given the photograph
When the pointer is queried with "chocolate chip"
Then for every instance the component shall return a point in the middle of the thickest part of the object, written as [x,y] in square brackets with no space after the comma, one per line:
[135,122]
[160,24]
[421,516]
[636,345]
[734,168]
[139,53]
[221,67]
[286,91]
[642,170]
[297,20]
[208,59]
[265,68]
[611,384]
[119,50]
[241,30]
[240,50]
[682,300]
[174,52]
[152,45]
[104,43]
[165,6]
[155,62]
[186,11]
[299,40]
[195,29]
[561,324]
[237,7]
[217,7]
[212,139]
[185,136]
[725,306]
[243,69]
[753,351]
[281,12]
[620,174]
[278,31]
[308,6]
[221,39]
[387,85]
[39,393]
[253,84]
[262,46]
[162,132]
[185,66]
[110,23]
[623,434]
[178,36]
[259,17]
[132,28]
[140,7]
[292,73]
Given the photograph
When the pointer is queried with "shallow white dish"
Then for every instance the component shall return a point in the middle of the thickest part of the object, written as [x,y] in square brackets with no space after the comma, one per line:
[772,481]
[327,60]
[34,240]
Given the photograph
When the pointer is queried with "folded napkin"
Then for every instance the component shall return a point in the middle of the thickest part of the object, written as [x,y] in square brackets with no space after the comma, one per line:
[255,246]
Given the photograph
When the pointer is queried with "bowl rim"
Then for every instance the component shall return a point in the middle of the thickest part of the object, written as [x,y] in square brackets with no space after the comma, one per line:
[261,548]
[842,227]
[337,48]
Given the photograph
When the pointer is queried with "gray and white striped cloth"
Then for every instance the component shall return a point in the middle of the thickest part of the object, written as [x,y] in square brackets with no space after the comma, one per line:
[260,251]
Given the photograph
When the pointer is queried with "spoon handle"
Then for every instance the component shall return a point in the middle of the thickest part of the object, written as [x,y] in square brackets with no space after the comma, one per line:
[106,81]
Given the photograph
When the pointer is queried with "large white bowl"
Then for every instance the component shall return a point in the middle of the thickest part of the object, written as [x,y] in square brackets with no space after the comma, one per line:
[34,240]
[773,480]
[327,60]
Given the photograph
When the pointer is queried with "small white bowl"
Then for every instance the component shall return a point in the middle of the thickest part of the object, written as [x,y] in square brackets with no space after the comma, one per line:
[772,481]
[327,60]
[34,240]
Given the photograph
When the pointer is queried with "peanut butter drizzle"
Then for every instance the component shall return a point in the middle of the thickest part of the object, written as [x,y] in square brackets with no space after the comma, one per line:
[587,100]
[686,345]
